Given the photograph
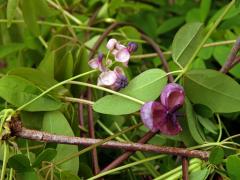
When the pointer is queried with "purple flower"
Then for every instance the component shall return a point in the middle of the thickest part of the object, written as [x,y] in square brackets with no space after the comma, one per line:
[162,115]
[121,52]
[97,63]
[115,79]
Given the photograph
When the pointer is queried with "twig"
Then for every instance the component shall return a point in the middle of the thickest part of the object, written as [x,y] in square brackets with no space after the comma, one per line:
[232,56]
[184,168]
[160,54]
[235,62]
[92,133]
[126,155]
[80,117]
[60,139]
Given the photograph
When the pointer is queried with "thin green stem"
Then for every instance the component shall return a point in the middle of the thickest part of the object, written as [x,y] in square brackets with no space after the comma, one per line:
[98,144]
[47,23]
[73,18]
[5,158]
[55,86]
[126,166]
[77,100]
[10,174]
[220,128]
[107,90]
[177,171]
[28,153]
[109,131]
[231,137]
[206,38]
[44,43]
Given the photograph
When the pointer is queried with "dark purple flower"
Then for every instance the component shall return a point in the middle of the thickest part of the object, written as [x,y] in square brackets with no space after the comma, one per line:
[132,47]
[162,115]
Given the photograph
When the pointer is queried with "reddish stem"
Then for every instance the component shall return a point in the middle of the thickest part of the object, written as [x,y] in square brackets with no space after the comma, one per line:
[184,168]
[232,56]
[60,139]
[92,133]
[126,155]
[80,117]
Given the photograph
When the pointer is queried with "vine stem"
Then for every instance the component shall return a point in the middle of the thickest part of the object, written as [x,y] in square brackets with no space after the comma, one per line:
[231,58]
[206,38]
[5,158]
[107,90]
[106,143]
[77,100]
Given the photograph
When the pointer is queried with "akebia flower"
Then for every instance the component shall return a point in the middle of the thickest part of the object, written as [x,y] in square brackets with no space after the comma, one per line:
[161,116]
[115,79]
[121,52]
[97,63]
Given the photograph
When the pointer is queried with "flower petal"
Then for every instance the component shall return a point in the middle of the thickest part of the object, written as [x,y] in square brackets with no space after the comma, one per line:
[122,55]
[111,44]
[107,78]
[120,46]
[132,47]
[121,80]
[171,126]
[172,96]
[94,63]
[151,114]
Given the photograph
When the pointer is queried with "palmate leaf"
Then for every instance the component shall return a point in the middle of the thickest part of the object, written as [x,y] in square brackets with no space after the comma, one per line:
[213,89]
[146,87]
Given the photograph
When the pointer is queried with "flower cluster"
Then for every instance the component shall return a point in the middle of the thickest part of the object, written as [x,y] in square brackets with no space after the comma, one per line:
[161,116]
[113,79]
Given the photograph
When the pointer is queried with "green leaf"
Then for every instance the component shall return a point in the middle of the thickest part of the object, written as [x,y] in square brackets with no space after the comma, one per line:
[55,122]
[233,164]
[200,174]
[11,10]
[42,8]
[204,9]
[81,63]
[203,111]
[146,87]
[213,89]
[193,123]
[46,155]
[47,64]
[186,41]
[170,24]
[18,91]
[38,78]
[216,155]
[31,120]
[29,15]
[64,68]
[193,15]
[66,175]
[10,48]
[207,124]
[27,175]
[19,163]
